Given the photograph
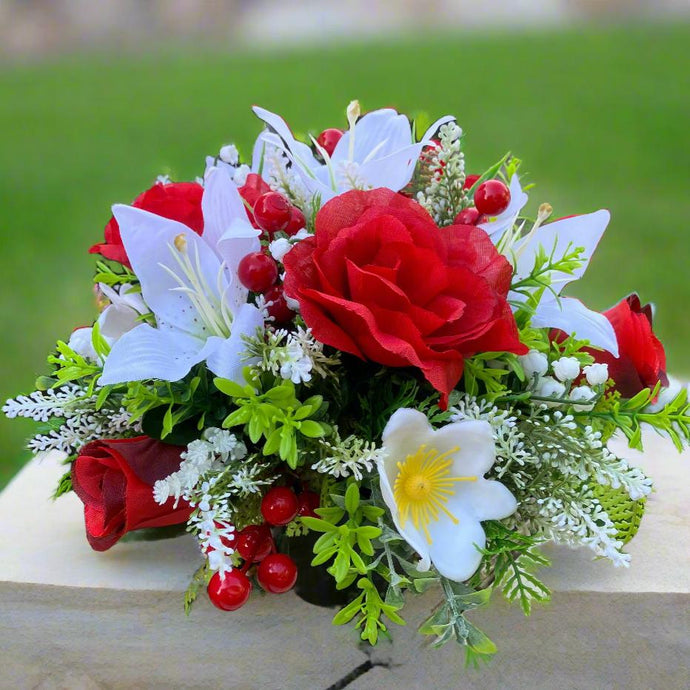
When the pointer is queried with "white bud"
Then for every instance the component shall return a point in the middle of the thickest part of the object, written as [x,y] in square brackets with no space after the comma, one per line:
[228,154]
[81,342]
[548,387]
[279,248]
[566,368]
[584,394]
[597,374]
[292,303]
[534,362]
[240,176]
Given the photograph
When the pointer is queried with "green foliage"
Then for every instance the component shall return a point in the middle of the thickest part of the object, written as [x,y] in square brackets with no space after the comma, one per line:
[348,544]
[64,485]
[511,558]
[448,622]
[200,579]
[482,376]
[162,405]
[68,367]
[533,286]
[672,420]
[625,513]
[369,607]
[277,415]
[112,273]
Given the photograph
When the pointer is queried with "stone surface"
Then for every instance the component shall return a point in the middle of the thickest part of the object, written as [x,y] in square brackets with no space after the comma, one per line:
[73,618]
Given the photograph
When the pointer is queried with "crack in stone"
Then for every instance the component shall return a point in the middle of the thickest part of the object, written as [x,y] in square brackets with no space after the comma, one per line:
[356,673]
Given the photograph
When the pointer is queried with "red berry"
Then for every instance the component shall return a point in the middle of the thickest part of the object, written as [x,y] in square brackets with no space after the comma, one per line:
[257,271]
[272,212]
[492,197]
[308,502]
[469,181]
[329,138]
[278,309]
[279,506]
[254,543]
[297,222]
[231,592]
[277,573]
[468,216]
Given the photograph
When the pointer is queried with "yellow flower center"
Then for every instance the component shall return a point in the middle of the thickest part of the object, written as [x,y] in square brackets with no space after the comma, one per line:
[423,486]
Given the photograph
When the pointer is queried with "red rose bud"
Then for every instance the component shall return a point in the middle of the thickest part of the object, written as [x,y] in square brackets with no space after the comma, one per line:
[180,201]
[641,361]
[115,478]
[378,280]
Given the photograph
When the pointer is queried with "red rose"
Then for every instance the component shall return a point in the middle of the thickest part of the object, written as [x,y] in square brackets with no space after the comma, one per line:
[380,280]
[115,478]
[641,361]
[179,201]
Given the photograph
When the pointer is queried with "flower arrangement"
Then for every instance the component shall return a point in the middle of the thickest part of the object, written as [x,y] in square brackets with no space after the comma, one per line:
[352,348]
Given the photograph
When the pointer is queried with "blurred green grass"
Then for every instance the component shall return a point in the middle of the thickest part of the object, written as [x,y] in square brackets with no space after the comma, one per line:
[599,117]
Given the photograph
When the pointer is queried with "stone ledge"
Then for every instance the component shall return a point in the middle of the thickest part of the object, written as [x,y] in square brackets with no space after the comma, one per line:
[73,618]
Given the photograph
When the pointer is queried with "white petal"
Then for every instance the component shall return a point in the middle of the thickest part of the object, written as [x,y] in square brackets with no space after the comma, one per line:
[574,318]
[497,226]
[579,231]
[412,536]
[383,131]
[485,499]
[149,242]
[221,204]
[150,353]
[475,441]
[431,131]
[452,550]
[225,357]
[406,430]
[239,239]
[393,171]
[301,152]
[116,320]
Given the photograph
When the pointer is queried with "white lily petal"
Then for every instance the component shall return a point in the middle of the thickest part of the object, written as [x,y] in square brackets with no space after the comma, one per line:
[225,357]
[431,131]
[574,318]
[407,429]
[476,452]
[116,320]
[302,153]
[221,204]
[393,171]
[484,499]
[579,231]
[384,129]
[150,353]
[150,244]
[497,227]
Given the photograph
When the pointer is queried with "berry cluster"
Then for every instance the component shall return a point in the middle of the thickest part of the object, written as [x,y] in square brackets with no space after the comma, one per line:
[275,572]
[272,213]
[490,198]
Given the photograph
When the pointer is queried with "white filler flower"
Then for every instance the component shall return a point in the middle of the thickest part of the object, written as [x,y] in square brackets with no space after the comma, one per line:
[433,483]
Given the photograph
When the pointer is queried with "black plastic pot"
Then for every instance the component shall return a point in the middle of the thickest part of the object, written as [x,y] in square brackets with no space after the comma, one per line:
[314,584]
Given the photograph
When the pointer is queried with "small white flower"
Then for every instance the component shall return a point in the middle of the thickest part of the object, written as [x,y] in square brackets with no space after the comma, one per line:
[81,342]
[291,303]
[433,483]
[566,368]
[534,362]
[228,154]
[582,393]
[597,374]
[548,387]
[279,248]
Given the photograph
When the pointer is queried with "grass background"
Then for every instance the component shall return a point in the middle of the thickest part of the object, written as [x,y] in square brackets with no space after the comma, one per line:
[599,116]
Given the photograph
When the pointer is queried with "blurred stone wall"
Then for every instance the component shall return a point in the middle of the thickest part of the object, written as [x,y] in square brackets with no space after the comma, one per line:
[44,27]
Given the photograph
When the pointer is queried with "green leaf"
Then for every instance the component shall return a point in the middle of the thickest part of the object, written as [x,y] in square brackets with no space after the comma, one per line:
[352,498]
[317,525]
[332,514]
[234,390]
[346,614]
[311,429]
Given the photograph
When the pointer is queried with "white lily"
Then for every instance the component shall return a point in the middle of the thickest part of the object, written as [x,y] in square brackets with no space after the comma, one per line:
[378,150]
[433,483]
[554,311]
[190,285]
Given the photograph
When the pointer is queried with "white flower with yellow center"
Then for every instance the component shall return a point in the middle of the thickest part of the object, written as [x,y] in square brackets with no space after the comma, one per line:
[433,483]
